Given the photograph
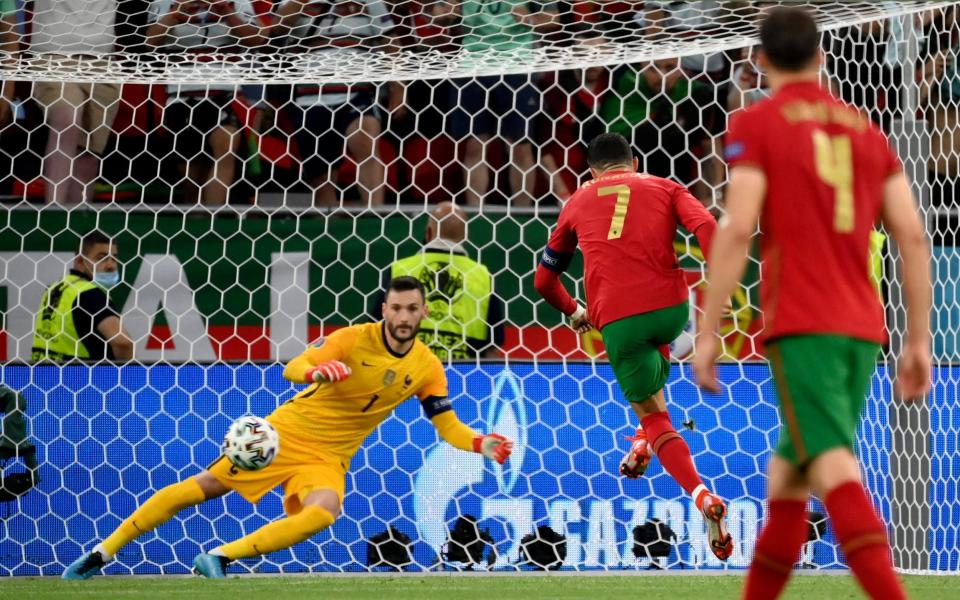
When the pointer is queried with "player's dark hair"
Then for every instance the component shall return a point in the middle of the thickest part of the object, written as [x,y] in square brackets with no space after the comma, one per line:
[789,38]
[405,284]
[92,239]
[608,150]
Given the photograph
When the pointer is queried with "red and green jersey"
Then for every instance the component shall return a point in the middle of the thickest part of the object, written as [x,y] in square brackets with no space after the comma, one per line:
[625,224]
[825,164]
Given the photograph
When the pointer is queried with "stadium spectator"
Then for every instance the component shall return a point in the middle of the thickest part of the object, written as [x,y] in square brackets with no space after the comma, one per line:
[416,109]
[571,102]
[938,82]
[204,118]
[333,120]
[671,119]
[748,84]
[426,25]
[8,43]
[672,19]
[76,320]
[78,115]
[466,317]
[498,106]
[861,72]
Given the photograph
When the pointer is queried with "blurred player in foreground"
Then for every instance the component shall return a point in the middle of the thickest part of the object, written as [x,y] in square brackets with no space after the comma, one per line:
[625,223]
[356,376]
[818,174]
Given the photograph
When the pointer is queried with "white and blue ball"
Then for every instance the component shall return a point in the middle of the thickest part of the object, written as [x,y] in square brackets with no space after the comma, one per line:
[251,443]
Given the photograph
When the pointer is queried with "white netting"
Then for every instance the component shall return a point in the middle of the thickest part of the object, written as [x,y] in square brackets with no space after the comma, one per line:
[376,40]
[375,134]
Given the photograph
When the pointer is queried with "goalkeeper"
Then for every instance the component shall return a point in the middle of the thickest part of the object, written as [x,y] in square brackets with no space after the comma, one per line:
[356,377]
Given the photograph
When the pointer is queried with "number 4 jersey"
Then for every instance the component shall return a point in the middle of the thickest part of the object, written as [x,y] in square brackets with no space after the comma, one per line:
[826,165]
[625,224]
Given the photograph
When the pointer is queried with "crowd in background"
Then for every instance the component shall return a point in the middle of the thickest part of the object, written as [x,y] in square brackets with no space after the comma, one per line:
[491,139]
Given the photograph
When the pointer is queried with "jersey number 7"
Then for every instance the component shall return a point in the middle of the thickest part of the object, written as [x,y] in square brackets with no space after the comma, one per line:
[619,211]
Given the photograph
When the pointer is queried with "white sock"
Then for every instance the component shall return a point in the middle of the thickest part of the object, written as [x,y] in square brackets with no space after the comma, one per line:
[697,491]
[103,553]
[217,552]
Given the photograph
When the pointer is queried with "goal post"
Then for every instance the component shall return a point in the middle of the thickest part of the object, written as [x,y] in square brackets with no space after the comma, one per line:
[261,170]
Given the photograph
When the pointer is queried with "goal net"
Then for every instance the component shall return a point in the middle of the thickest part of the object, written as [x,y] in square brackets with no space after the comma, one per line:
[262,165]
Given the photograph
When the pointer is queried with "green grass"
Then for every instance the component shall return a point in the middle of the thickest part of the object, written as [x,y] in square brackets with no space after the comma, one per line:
[455,587]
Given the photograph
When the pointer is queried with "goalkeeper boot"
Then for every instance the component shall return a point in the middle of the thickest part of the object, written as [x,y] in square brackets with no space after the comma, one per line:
[715,514]
[635,463]
[85,567]
[211,566]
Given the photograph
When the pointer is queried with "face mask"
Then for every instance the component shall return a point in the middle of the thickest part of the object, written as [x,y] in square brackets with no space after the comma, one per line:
[106,279]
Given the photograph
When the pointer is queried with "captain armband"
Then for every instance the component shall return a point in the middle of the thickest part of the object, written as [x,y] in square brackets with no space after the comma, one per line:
[556,261]
[434,405]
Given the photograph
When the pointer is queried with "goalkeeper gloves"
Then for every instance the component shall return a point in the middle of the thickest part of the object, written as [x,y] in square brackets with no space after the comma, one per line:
[330,371]
[494,446]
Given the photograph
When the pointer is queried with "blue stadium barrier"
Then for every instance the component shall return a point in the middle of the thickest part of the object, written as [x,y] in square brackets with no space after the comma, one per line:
[108,437]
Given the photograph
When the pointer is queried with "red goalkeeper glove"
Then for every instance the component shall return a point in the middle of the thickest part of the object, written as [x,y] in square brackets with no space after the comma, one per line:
[330,371]
[494,446]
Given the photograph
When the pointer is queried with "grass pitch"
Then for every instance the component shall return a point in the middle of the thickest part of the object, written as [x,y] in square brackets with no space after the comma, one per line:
[455,587]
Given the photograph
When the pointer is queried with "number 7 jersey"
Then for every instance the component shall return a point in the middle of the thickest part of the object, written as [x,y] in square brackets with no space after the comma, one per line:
[625,224]
[826,165]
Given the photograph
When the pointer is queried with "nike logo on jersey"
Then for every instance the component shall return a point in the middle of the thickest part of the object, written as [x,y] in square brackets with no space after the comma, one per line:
[366,364]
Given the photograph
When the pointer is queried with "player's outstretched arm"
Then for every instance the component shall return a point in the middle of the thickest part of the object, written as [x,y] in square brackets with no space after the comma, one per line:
[900,218]
[323,361]
[492,445]
[728,261]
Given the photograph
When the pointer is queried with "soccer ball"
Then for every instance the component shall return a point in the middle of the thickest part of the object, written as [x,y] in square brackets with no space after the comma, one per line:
[251,443]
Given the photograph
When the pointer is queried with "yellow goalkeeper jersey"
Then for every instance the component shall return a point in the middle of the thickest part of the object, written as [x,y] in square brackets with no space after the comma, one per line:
[331,420]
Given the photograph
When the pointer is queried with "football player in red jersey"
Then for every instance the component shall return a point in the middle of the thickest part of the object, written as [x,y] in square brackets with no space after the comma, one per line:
[818,175]
[625,223]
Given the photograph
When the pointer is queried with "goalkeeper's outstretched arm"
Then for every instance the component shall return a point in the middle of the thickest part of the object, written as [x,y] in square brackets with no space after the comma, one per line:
[321,362]
[492,445]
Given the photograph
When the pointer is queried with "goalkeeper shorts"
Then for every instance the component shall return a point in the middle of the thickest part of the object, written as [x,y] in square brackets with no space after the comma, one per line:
[639,351]
[298,472]
[822,382]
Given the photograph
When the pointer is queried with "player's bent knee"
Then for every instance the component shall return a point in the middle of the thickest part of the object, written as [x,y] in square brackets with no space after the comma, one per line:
[832,468]
[326,499]
[650,405]
[785,481]
[211,486]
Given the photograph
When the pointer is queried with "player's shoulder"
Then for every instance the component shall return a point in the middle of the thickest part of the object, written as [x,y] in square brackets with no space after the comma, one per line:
[762,110]
[422,353]
[423,357]
[647,181]
[343,335]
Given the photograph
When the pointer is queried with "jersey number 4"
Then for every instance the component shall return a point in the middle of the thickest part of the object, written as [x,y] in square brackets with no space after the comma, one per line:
[834,159]
[619,211]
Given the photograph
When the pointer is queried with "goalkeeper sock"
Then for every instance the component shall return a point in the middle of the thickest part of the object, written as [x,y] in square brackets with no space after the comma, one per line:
[672,450]
[279,534]
[777,549]
[154,512]
[863,540]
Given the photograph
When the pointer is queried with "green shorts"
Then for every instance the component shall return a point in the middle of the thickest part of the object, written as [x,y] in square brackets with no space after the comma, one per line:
[822,382]
[638,349]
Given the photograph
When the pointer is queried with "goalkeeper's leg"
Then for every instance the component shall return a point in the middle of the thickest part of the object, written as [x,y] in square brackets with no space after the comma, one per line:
[320,508]
[158,509]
